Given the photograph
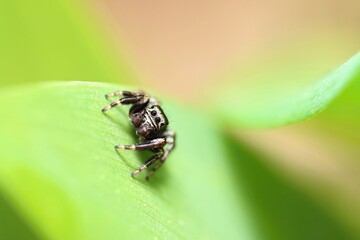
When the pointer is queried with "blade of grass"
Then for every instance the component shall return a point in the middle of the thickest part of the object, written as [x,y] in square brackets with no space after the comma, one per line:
[59,169]
[271,105]
[61,174]
[281,209]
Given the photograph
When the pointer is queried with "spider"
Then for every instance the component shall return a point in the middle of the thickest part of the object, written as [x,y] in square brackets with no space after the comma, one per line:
[151,124]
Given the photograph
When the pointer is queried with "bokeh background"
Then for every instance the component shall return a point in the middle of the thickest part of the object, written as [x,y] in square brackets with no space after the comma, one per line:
[187,50]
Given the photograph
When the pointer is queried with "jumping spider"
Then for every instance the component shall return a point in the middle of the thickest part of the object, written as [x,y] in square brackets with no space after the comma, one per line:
[150,122]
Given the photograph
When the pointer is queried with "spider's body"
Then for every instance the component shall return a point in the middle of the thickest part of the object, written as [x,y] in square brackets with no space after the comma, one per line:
[150,121]
[151,124]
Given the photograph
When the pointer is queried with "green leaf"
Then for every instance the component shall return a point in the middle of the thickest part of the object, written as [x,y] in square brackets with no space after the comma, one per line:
[274,104]
[56,40]
[343,118]
[12,225]
[60,171]
[280,208]
[61,174]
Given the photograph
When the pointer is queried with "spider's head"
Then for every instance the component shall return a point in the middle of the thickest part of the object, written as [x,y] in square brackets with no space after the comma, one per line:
[157,117]
[150,123]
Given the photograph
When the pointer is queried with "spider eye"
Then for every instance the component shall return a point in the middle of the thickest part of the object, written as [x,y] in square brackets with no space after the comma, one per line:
[153,113]
[162,124]
[157,119]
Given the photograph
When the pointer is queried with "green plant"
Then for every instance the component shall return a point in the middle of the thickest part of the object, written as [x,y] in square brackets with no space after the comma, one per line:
[60,177]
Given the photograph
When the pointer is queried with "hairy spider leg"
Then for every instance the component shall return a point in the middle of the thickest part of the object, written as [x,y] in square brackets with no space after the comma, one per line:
[124,101]
[156,143]
[170,141]
[125,94]
[138,107]
[154,169]
[151,161]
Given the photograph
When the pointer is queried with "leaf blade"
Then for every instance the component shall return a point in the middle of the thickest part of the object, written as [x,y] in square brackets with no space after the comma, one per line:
[70,183]
[255,111]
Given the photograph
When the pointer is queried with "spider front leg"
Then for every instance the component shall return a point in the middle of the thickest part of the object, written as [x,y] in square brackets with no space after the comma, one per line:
[124,101]
[154,169]
[170,140]
[151,161]
[125,94]
[145,145]
[128,98]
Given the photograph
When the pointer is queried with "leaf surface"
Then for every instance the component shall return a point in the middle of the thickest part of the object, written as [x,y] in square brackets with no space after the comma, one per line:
[60,170]
[61,175]
[270,104]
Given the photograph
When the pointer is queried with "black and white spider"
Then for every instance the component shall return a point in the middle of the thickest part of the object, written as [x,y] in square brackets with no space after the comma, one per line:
[151,124]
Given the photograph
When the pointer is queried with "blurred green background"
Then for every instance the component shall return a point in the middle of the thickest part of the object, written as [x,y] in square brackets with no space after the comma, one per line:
[225,71]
